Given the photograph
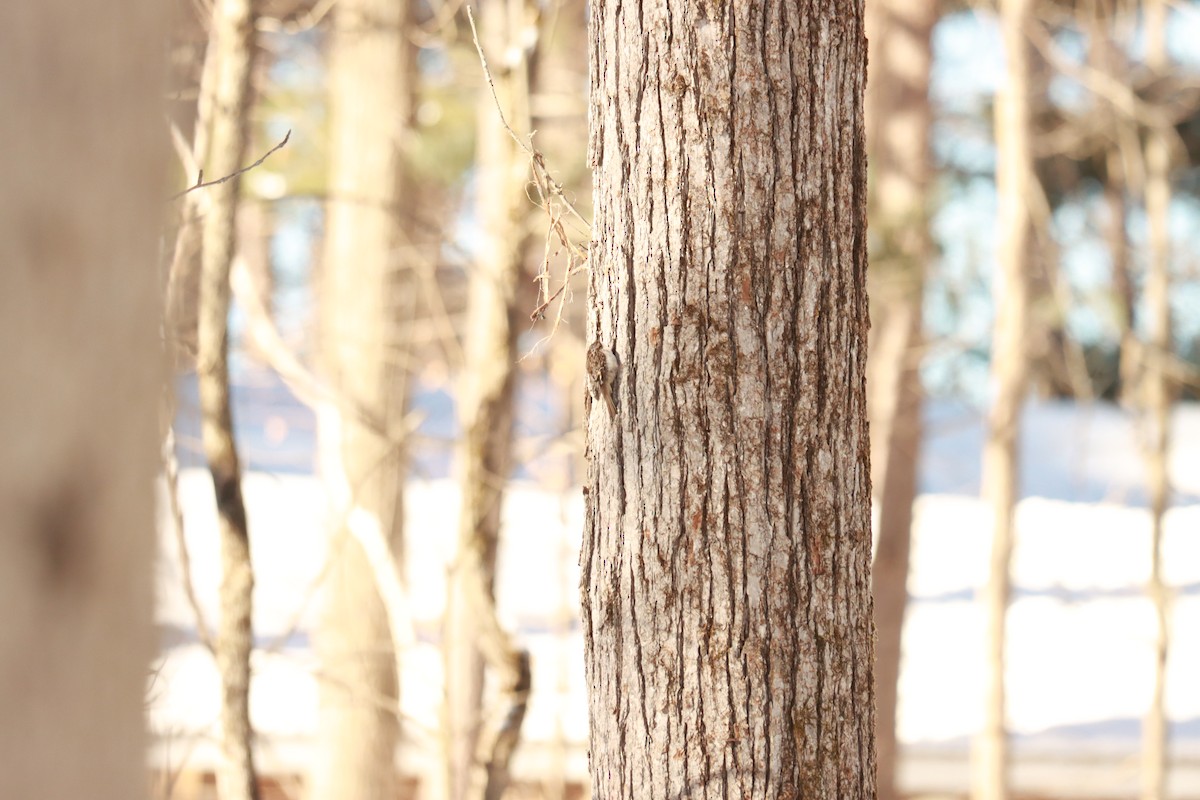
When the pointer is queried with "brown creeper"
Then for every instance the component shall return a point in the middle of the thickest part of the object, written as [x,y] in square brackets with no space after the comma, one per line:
[602,369]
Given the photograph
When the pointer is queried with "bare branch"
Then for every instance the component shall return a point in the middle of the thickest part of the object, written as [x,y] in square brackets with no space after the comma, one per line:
[171,474]
[201,183]
[307,387]
[302,23]
[487,73]
[550,198]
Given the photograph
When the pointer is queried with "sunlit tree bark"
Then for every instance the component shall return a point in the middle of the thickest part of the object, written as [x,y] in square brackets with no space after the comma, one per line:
[725,565]
[82,182]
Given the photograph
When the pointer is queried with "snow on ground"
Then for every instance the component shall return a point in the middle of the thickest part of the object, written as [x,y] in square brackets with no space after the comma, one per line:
[1079,628]
[1080,655]
[1069,451]
[538,582]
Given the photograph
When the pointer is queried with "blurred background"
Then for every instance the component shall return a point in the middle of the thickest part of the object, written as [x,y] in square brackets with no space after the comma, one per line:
[406,342]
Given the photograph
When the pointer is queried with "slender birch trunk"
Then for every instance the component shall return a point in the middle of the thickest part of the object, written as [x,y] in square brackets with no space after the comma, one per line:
[366,300]
[725,566]
[82,179]
[1156,398]
[478,749]
[233,29]
[898,123]
[1009,378]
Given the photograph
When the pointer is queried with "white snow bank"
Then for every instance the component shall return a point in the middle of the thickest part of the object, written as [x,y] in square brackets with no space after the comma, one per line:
[1080,628]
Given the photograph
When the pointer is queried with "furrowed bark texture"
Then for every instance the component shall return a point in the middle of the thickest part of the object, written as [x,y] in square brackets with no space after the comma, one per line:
[1157,409]
[478,755]
[233,28]
[1009,376]
[366,306]
[898,122]
[82,178]
[726,555]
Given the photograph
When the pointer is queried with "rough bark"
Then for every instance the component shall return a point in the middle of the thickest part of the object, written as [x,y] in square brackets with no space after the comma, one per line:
[365,297]
[477,755]
[898,123]
[233,30]
[1156,396]
[725,565]
[82,178]
[1009,378]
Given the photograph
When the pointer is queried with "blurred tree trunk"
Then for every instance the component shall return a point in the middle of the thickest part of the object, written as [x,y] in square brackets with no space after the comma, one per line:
[1156,404]
[365,297]
[1106,55]
[183,279]
[82,178]
[1056,368]
[1009,379]
[898,122]
[233,29]
[1115,189]
[725,566]
[256,227]
[558,108]
[558,104]
[477,759]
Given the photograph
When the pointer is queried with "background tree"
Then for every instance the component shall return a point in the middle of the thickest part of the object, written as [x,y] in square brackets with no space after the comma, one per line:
[726,555]
[478,755]
[82,182]
[1156,402]
[898,122]
[366,305]
[234,42]
[1009,374]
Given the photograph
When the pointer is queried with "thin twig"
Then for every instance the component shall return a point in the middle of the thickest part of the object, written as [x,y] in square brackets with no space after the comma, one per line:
[183,149]
[307,387]
[430,33]
[539,312]
[550,198]
[487,73]
[201,183]
[171,475]
[302,23]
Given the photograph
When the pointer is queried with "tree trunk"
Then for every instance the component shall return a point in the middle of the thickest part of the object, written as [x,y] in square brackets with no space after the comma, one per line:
[1157,407]
[1009,371]
[1122,277]
[233,29]
[477,760]
[898,122]
[725,565]
[82,179]
[365,299]
[1107,56]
